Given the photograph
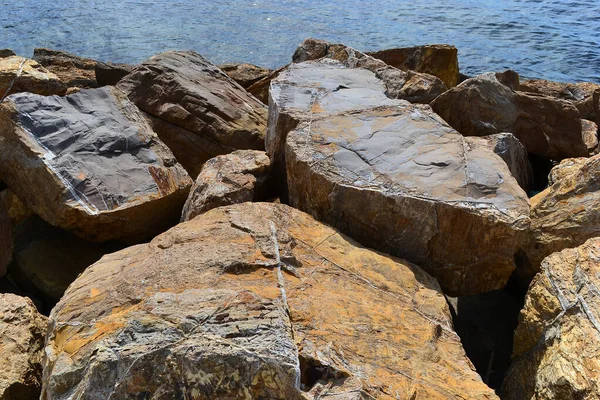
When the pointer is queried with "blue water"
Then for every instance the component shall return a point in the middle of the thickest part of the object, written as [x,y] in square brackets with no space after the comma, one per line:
[552,39]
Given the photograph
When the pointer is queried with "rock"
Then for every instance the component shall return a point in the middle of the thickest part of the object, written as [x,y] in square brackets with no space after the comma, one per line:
[22,331]
[229,179]
[259,301]
[260,89]
[12,212]
[413,86]
[394,176]
[109,73]
[596,100]
[509,78]
[6,53]
[579,94]
[185,90]
[508,147]
[19,74]
[483,106]
[440,60]
[89,163]
[245,74]
[567,167]
[556,346]
[589,131]
[72,70]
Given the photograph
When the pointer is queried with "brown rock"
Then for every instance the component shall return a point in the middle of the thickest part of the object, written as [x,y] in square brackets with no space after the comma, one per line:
[260,89]
[72,70]
[22,331]
[245,74]
[596,101]
[567,167]
[589,131]
[440,60]
[185,90]
[509,78]
[89,163]
[483,106]
[20,74]
[229,179]
[12,212]
[110,73]
[255,300]
[556,345]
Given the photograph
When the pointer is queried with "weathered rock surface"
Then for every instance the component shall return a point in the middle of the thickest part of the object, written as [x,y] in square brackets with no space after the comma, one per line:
[72,70]
[22,331]
[567,167]
[483,106]
[256,301]
[589,131]
[440,60]
[12,212]
[20,74]
[394,176]
[260,88]
[245,74]
[413,86]
[90,163]
[110,73]
[579,94]
[229,179]
[557,346]
[185,90]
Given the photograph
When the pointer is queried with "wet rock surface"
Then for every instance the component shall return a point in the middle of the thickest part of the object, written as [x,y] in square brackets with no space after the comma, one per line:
[72,70]
[20,74]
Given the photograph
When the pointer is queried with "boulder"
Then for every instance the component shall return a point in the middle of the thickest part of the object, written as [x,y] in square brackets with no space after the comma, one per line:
[395,176]
[72,70]
[256,300]
[566,167]
[556,344]
[185,90]
[579,94]
[20,74]
[589,131]
[22,331]
[229,179]
[596,100]
[260,88]
[509,78]
[110,73]
[91,164]
[6,53]
[12,212]
[483,106]
[245,74]
[440,60]
[409,85]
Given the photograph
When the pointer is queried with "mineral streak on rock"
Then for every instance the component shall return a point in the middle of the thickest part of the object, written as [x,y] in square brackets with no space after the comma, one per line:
[20,74]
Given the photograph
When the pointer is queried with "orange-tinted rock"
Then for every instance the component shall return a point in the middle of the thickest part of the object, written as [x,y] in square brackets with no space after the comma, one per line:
[245,74]
[260,88]
[72,70]
[589,131]
[566,167]
[20,74]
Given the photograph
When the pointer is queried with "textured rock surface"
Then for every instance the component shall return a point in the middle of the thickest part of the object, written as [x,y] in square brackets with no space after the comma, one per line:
[90,163]
[256,301]
[185,90]
[483,106]
[245,74]
[20,74]
[589,131]
[6,53]
[260,88]
[12,212]
[229,179]
[110,73]
[440,60]
[557,345]
[567,167]
[22,331]
[394,176]
[72,70]
[413,86]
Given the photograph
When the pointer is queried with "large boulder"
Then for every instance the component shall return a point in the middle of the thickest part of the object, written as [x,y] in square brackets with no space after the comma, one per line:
[556,344]
[72,70]
[440,60]
[256,300]
[22,331]
[111,73]
[90,163]
[20,74]
[260,88]
[395,176]
[483,106]
[245,74]
[229,179]
[185,90]
[566,167]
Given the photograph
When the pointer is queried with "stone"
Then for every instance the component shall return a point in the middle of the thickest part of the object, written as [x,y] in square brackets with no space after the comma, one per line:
[89,163]
[22,331]
[255,300]
[6,53]
[395,176]
[566,167]
[185,90]
[509,78]
[556,347]
[20,74]
[440,60]
[245,74]
[72,70]
[229,179]
[579,94]
[110,73]
[12,212]
[260,88]
[589,131]
[596,101]
[483,106]
[409,85]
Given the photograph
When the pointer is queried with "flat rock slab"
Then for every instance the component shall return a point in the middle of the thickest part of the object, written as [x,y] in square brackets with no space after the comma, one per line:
[260,301]
[395,177]
[20,74]
[90,163]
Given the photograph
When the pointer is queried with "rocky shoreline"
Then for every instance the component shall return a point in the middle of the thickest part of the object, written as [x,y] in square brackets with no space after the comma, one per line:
[349,226]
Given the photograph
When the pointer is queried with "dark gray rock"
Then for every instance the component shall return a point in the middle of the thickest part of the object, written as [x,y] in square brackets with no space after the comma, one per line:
[6,53]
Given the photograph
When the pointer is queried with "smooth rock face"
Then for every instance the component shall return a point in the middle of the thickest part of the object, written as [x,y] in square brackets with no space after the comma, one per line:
[22,331]
[229,179]
[91,164]
[483,106]
[20,74]
[245,74]
[185,90]
[556,346]
[111,73]
[394,176]
[440,60]
[72,70]
[260,301]
[413,86]
[589,131]
[567,167]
